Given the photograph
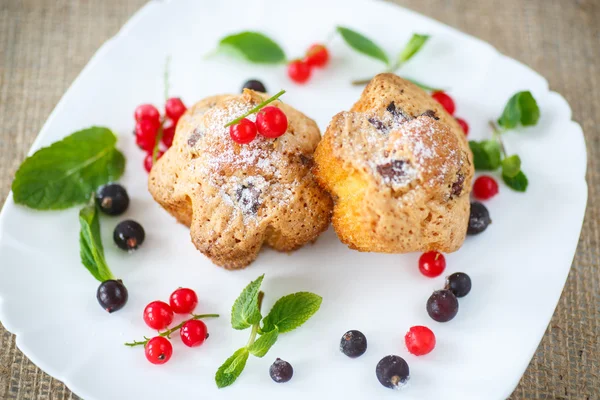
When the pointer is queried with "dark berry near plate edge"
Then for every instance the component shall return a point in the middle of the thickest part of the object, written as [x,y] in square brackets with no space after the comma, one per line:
[256,85]
[442,305]
[112,295]
[392,372]
[112,199]
[129,235]
[281,371]
[458,283]
[353,344]
[158,350]
[479,219]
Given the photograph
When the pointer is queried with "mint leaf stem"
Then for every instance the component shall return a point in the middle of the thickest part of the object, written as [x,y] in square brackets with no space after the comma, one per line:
[256,109]
[496,135]
[169,332]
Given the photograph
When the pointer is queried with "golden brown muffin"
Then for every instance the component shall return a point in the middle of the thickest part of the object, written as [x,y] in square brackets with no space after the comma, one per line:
[399,169]
[235,198]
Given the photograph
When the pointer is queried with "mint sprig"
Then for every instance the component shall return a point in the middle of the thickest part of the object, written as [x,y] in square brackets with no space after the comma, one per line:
[254,47]
[366,46]
[287,314]
[256,109]
[90,243]
[68,171]
[490,155]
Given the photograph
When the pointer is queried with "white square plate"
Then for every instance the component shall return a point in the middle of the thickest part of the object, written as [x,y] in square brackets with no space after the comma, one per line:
[518,266]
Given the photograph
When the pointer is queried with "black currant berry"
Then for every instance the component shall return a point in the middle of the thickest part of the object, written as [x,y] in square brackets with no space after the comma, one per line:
[255,85]
[458,283]
[281,371]
[442,306]
[479,218]
[129,235]
[112,199]
[392,372]
[112,295]
[353,344]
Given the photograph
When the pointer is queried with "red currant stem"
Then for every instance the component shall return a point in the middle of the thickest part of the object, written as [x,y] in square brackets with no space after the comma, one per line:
[497,133]
[168,333]
[166,76]
[256,109]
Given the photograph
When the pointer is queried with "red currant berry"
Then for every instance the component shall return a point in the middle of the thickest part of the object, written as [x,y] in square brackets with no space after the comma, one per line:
[168,135]
[432,264]
[445,100]
[299,71]
[193,333]
[158,350]
[183,301]
[271,122]
[243,132]
[174,108]
[463,124]
[145,134]
[147,111]
[317,56]
[419,340]
[158,315]
[148,160]
[485,187]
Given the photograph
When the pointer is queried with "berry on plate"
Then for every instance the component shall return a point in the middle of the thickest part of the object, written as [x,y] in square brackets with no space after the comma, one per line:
[485,187]
[419,340]
[353,344]
[183,301]
[158,350]
[281,371]
[392,372]
[112,199]
[193,333]
[299,71]
[129,235]
[459,283]
[158,315]
[442,305]
[256,85]
[445,100]
[317,56]
[145,134]
[112,295]
[432,264]
[479,218]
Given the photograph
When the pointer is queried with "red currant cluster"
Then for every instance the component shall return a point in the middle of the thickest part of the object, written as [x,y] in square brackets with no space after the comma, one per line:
[485,187]
[159,315]
[271,122]
[149,123]
[300,71]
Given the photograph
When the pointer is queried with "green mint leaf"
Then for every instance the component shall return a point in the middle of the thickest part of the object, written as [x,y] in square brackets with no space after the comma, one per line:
[255,47]
[518,182]
[231,368]
[511,166]
[412,47]
[362,44]
[67,172]
[521,109]
[291,311]
[262,345]
[245,311]
[486,155]
[90,243]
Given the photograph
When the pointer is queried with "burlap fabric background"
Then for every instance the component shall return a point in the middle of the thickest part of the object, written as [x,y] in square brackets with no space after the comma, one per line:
[44,44]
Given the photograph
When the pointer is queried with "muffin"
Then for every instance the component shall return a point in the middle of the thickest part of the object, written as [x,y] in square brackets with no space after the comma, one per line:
[234,197]
[399,169]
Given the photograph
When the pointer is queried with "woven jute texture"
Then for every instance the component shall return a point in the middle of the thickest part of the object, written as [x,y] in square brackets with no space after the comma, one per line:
[44,44]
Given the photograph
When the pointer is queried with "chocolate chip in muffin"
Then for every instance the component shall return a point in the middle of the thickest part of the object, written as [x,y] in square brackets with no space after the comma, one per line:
[398,112]
[378,124]
[194,137]
[394,171]
[306,161]
[249,198]
[430,114]
[457,186]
